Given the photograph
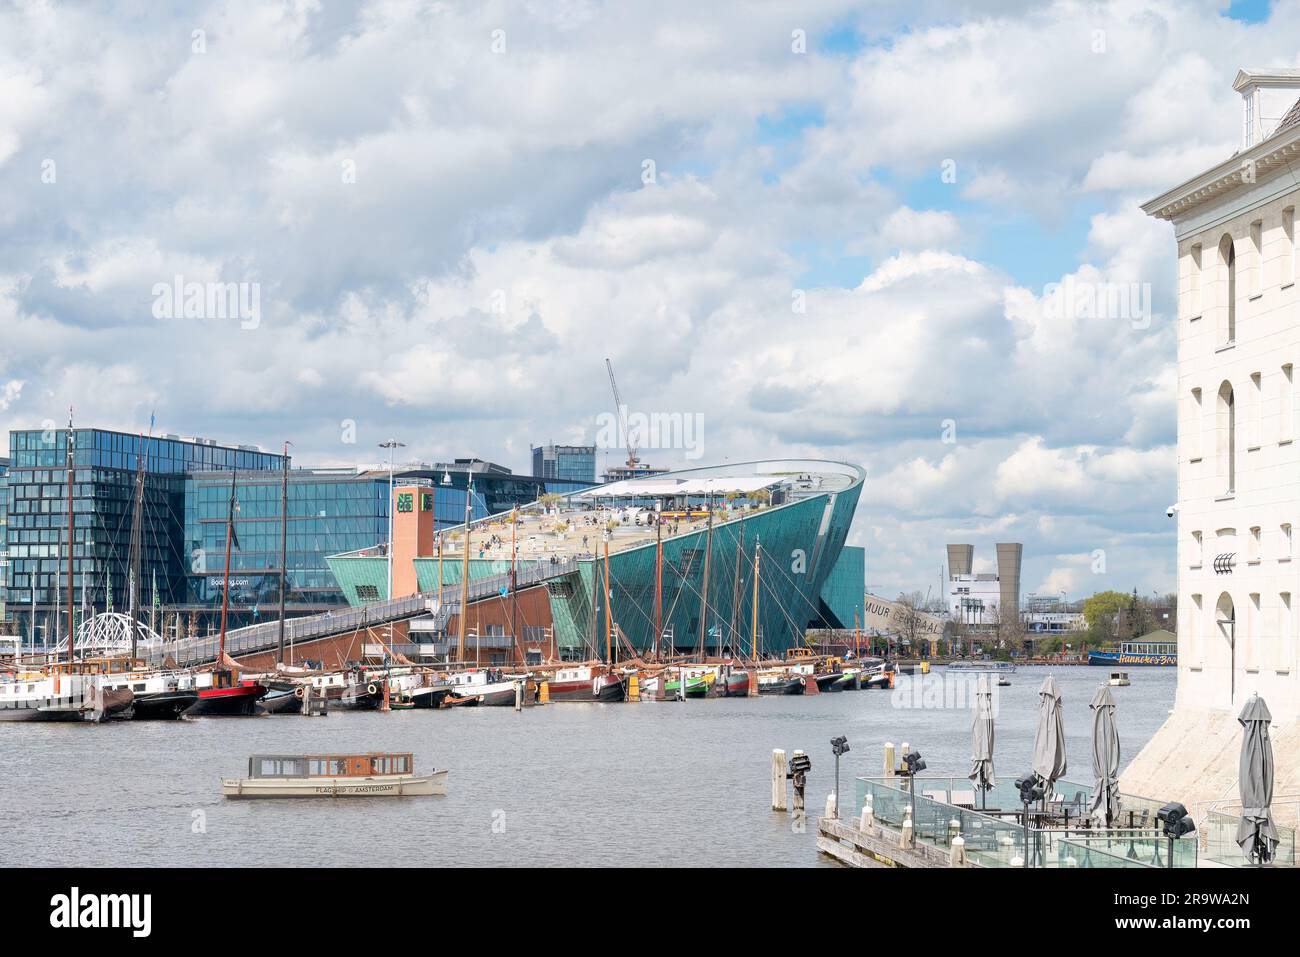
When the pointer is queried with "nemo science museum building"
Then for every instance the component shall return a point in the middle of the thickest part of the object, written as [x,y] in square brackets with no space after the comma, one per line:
[726,560]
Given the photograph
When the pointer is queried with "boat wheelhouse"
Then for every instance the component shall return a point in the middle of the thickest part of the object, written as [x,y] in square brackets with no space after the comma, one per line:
[376,774]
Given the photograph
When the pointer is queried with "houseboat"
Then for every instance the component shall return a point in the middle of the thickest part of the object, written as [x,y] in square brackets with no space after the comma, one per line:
[487,688]
[333,775]
[37,696]
[1146,652]
[587,683]
[222,694]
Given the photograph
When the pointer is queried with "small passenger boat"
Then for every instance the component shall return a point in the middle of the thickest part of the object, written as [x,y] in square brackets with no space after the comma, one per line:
[379,774]
[1119,679]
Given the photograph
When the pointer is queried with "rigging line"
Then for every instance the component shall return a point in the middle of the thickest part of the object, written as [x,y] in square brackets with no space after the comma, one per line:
[773,562]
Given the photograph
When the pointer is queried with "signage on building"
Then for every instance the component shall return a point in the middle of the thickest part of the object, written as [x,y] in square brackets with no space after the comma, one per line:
[889,616]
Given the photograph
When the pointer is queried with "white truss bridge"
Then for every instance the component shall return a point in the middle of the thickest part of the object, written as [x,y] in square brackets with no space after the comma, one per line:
[108,635]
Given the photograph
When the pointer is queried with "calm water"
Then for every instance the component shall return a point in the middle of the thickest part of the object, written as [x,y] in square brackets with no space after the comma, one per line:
[572,784]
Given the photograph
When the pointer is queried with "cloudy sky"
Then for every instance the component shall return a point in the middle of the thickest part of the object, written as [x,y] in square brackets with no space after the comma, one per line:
[829,228]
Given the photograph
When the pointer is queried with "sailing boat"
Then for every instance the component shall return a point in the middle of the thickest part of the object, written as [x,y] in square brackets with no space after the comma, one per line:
[221,692]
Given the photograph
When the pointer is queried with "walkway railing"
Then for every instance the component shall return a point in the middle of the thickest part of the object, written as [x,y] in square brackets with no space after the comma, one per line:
[994,835]
[265,636]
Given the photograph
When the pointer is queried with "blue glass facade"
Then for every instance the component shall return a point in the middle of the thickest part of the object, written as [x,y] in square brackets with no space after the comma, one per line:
[329,511]
[572,462]
[4,522]
[36,533]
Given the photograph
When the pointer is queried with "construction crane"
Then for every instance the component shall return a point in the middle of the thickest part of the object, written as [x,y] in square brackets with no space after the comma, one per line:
[621,410]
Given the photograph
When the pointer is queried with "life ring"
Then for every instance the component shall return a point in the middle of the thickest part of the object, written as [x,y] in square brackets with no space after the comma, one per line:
[372,688]
[299,691]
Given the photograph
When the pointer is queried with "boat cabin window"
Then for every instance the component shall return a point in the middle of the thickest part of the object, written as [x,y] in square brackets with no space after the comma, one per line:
[328,767]
[390,764]
[277,767]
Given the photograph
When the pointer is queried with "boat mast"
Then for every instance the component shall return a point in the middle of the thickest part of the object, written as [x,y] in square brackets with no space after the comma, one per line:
[225,584]
[133,572]
[609,646]
[464,573]
[514,586]
[72,442]
[704,593]
[659,577]
[735,587]
[753,652]
[284,551]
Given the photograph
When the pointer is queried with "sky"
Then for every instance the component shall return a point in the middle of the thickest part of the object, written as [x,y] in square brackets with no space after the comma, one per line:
[815,229]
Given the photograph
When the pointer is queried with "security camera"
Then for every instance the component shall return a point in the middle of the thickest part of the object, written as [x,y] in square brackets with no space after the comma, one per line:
[1172,510]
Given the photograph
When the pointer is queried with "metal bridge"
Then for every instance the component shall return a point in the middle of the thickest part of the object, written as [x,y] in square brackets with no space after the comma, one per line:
[266,636]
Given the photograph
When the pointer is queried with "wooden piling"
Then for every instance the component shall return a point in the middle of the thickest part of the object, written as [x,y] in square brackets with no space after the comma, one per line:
[779,790]
[634,688]
[544,693]
[889,759]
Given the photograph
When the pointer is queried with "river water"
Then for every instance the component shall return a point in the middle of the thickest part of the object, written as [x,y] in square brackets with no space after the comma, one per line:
[667,783]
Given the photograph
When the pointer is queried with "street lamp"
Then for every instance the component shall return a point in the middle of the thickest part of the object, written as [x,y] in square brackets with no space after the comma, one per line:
[1031,790]
[391,445]
[839,746]
[915,764]
[1177,822]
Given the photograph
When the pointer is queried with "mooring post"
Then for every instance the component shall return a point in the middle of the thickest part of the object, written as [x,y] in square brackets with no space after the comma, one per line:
[889,759]
[868,816]
[778,780]
[519,696]
[957,857]
[832,808]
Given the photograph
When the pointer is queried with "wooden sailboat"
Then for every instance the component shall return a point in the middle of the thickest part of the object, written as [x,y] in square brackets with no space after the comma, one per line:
[222,693]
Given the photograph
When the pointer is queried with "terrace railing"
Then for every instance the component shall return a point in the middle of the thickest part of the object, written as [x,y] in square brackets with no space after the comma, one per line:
[994,835]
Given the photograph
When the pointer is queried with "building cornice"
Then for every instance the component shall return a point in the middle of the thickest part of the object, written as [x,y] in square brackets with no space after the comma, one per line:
[1240,170]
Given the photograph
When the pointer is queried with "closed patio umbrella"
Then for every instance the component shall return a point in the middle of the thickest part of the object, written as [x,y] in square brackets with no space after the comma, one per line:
[1256,835]
[1049,737]
[1105,758]
[981,734]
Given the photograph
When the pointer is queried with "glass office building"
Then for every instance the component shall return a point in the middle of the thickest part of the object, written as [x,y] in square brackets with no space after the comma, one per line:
[573,462]
[495,492]
[36,531]
[5,624]
[329,510]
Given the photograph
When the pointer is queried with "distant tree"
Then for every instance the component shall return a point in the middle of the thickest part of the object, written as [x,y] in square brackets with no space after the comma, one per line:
[1101,612]
[910,619]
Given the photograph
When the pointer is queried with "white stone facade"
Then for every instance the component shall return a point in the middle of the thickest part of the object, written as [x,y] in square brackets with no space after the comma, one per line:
[1238,506]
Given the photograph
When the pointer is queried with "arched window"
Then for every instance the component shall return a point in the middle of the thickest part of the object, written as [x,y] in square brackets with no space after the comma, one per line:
[1226,430]
[1228,259]
[1226,617]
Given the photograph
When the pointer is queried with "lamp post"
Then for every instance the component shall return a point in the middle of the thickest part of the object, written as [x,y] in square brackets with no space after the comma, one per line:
[391,445]
[840,746]
[915,764]
[1031,791]
[1177,822]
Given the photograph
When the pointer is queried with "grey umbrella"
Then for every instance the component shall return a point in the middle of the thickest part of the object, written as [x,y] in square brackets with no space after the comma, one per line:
[1049,737]
[1105,758]
[981,735]
[1256,835]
